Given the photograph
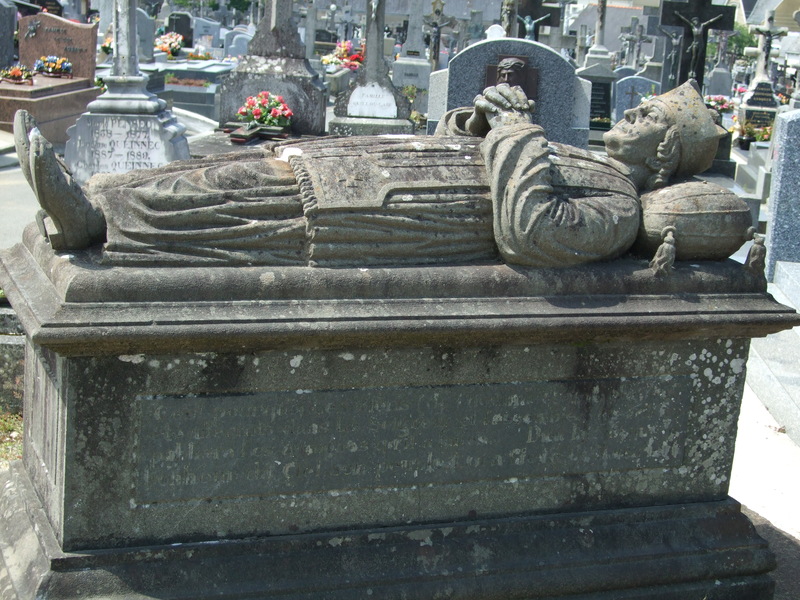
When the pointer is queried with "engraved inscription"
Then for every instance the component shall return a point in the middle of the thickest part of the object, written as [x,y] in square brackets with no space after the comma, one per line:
[316,441]
[123,144]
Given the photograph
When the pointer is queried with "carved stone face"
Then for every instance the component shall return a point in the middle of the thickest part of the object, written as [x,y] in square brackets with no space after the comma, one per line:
[511,71]
[636,137]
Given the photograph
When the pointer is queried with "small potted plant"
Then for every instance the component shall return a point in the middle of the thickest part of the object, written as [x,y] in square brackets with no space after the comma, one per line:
[53,66]
[266,115]
[170,42]
[17,74]
[747,134]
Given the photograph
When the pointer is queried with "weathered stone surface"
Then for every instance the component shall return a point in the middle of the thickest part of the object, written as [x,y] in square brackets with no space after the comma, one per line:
[292,400]
[146,34]
[711,222]
[12,361]
[117,143]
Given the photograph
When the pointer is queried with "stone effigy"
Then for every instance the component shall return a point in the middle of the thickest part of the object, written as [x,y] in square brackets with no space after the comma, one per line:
[207,414]
[455,198]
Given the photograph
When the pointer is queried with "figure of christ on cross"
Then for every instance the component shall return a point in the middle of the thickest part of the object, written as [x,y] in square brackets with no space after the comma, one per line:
[698,40]
[695,19]
[768,32]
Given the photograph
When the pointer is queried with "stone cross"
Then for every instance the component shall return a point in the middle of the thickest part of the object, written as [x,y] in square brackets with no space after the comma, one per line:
[437,21]
[414,45]
[375,67]
[767,32]
[696,18]
[311,25]
[276,34]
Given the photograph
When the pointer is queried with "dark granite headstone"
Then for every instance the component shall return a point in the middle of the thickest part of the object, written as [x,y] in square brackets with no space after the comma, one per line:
[8,16]
[181,23]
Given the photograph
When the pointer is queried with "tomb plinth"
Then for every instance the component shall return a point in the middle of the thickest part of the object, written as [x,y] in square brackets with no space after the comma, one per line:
[465,432]
[55,103]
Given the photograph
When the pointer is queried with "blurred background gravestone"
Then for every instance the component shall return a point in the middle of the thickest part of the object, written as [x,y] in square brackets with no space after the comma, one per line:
[56,103]
[127,127]
[277,63]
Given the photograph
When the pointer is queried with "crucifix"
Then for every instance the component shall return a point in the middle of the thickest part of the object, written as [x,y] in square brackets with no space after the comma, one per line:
[437,21]
[767,32]
[534,13]
[672,60]
[695,18]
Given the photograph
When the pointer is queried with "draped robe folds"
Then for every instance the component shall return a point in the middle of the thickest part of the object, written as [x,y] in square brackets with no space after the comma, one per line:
[375,201]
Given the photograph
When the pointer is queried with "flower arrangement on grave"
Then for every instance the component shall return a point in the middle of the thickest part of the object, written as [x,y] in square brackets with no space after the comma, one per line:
[344,57]
[265,109]
[763,134]
[17,74]
[54,66]
[170,42]
[721,104]
[107,47]
[199,56]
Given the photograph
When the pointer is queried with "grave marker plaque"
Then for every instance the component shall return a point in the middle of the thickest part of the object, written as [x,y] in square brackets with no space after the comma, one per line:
[45,35]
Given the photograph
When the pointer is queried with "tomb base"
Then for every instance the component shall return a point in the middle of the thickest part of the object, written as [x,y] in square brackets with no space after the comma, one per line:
[699,551]
[56,104]
[463,432]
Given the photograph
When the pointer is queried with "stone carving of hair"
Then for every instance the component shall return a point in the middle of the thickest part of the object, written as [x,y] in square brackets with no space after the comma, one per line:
[511,64]
[666,161]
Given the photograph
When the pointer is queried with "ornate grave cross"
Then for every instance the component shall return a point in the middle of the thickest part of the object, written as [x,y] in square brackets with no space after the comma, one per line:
[437,21]
[535,13]
[696,18]
[722,48]
[628,38]
[767,33]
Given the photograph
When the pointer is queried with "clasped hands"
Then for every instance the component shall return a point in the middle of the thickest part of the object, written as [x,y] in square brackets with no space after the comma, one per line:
[500,105]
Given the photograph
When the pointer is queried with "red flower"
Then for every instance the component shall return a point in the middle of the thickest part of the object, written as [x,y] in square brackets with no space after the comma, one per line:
[275,112]
[251,102]
[243,111]
[257,113]
[279,98]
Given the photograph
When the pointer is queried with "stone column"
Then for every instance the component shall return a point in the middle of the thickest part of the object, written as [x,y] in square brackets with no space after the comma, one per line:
[598,54]
[127,127]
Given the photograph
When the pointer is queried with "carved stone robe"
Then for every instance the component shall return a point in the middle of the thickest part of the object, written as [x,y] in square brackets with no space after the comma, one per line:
[373,201]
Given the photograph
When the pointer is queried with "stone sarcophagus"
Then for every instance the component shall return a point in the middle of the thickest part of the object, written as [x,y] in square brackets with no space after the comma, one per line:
[477,431]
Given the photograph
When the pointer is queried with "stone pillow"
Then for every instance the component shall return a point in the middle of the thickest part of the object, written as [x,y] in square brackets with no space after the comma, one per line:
[710,222]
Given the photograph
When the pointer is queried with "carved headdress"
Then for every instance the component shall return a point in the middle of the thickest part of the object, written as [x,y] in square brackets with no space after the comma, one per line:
[696,125]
